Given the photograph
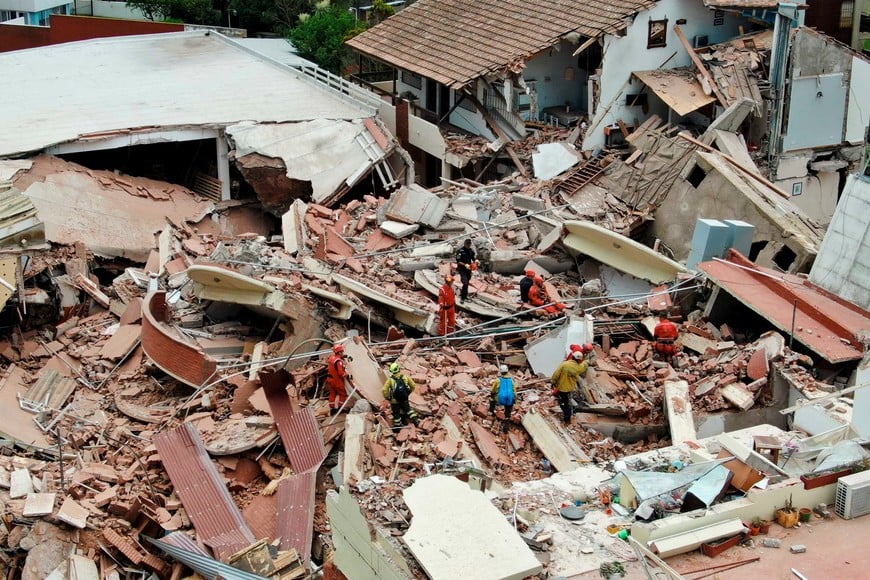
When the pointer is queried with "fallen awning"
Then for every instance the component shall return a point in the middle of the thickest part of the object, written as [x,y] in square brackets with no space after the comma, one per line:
[678,88]
[825,324]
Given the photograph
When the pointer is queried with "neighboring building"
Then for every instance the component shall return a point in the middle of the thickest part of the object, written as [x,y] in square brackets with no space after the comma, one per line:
[465,65]
[72,28]
[32,12]
[184,101]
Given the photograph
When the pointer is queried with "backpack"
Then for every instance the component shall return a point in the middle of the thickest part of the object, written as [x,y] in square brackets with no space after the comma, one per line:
[506,395]
[401,390]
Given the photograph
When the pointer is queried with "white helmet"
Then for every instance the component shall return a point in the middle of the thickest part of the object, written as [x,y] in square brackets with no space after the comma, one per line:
[503,369]
[577,355]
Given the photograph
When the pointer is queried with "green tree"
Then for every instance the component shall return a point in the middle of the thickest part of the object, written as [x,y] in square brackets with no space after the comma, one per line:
[189,11]
[320,35]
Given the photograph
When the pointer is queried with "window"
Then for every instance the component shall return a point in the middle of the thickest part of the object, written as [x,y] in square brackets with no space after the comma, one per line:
[658,34]
[412,79]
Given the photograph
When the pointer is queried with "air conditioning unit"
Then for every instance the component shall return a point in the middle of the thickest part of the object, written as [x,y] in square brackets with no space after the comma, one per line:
[853,495]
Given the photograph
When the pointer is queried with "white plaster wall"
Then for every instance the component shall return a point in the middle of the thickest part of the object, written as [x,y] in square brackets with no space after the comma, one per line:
[818,196]
[106,9]
[843,263]
[31,5]
[861,413]
[814,420]
[426,136]
[548,72]
[629,53]
[858,112]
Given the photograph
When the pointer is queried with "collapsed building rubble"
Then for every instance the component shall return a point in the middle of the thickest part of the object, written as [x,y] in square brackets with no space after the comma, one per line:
[163,386]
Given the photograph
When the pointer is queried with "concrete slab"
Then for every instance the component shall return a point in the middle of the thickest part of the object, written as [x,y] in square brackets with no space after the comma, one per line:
[38,504]
[355,428]
[738,396]
[548,351]
[550,444]
[21,484]
[678,405]
[415,205]
[552,159]
[293,227]
[72,513]
[82,568]
[398,230]
[458,533]
[508,261]
[367,375]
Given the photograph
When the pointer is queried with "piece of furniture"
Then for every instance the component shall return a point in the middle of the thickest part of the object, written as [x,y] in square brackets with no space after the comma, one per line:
[767,445]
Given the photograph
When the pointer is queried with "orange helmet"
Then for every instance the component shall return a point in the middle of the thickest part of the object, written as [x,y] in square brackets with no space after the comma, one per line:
[588,347]
[539,280]
[530,273]
[338,348]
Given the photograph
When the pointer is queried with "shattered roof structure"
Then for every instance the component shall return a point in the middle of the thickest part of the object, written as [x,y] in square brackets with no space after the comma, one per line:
[827,325]
[113,86]
[457,41]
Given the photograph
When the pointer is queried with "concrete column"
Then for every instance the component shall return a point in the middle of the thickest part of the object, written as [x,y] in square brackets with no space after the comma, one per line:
[223,165]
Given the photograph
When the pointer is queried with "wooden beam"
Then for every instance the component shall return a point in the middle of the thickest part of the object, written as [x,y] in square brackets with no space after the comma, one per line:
[736,164]
[585,45]
[700,65]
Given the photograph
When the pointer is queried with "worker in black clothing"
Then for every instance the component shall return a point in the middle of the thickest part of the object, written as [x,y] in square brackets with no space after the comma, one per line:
[526,284]
[465,262]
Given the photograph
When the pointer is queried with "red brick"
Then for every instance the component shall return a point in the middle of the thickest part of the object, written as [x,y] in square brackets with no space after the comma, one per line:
[758,365]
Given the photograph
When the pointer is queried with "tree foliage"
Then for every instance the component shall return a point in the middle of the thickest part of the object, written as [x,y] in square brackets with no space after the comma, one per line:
[189,11]
[320,35]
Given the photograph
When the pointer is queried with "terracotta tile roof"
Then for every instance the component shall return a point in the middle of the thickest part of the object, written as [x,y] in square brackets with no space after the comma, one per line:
[300,432]
[824,323]
[457,41]
[295,516]
[740,3]
[217,519]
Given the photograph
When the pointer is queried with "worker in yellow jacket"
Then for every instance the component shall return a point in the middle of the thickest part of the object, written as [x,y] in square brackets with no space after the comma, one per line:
[565,382]
[396,391]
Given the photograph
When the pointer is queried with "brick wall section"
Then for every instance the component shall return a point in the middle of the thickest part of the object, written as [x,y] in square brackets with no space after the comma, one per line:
[175,357]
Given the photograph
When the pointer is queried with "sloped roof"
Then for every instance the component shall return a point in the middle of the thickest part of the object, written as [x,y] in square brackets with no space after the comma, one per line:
[457,41]
[741,4]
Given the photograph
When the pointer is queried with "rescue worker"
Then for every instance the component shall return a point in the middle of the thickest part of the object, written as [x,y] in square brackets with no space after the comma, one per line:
[336,379]
[565,383]
[503,393]
[446,307]
[396,391]
[526,284]
[538,297]
[466,261]
[587,349]
[665,334]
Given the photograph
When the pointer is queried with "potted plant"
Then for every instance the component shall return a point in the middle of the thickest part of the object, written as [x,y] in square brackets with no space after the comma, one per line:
[764,527]
[805,514]
[787,516]
[755,526]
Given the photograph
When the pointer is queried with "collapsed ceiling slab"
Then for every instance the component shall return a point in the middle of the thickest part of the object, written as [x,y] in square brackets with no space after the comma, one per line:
[319,158]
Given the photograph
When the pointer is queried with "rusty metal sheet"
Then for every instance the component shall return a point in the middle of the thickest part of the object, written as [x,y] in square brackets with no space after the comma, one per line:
[299,430]
[216,518]
[296,513]
[825,324]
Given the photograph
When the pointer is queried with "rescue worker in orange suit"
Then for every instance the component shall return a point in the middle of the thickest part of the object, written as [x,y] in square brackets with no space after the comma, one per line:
[526,284]
[446,307]
[466,262]
[538,297]
[336,379]
[587,349]
[666,334]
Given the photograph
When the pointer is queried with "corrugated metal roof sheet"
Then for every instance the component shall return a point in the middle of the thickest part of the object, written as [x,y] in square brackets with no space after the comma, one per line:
[300,432]
[296,513]
[217,519]
[171,80]
[203,565]
[457,41]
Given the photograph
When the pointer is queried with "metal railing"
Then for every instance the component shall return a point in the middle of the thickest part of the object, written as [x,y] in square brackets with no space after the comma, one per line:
[496,103]
[363,97]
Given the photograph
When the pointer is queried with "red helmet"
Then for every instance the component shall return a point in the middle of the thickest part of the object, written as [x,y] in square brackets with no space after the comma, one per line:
[338,348]
[530,273]
[588,347]
[575,347]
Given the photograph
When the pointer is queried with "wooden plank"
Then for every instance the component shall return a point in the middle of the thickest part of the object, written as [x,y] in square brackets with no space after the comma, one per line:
[700,65]
[550,444]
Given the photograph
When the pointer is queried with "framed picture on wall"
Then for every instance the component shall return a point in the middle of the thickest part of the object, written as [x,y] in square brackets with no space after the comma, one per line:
[797,188]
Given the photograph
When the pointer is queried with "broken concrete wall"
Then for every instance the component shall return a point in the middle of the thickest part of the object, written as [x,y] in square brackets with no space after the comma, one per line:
[843,263]
[720,193]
